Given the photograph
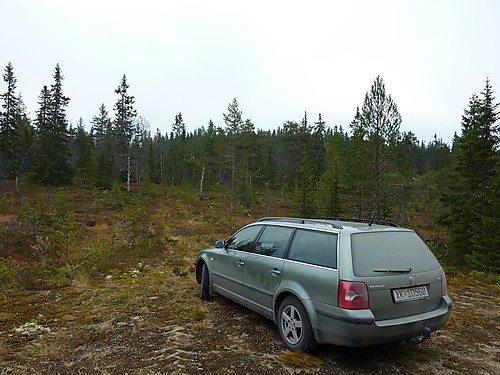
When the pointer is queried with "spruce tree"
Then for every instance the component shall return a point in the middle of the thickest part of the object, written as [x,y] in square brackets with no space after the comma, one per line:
[101,125]
[123,128]
[317,148]
[81,150]
[9,127]
[305,199]
[27,141]
[473,202]
[101,133]
[53,158]
[104,173]
[334,176]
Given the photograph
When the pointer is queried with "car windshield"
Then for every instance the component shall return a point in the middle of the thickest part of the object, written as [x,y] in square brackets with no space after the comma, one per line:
[392,252]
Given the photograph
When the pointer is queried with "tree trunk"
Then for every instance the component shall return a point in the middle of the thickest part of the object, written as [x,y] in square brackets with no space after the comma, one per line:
[233,177]
[201,182]
[128,172]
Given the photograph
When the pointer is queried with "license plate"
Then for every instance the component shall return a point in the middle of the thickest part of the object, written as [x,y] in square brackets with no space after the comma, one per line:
[410,294]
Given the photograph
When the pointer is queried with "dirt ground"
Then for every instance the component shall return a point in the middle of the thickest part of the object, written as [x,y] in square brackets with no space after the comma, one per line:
[149,320]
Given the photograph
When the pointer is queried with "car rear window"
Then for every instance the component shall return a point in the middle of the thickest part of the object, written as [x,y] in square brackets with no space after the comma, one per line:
[315,248]
[379,253]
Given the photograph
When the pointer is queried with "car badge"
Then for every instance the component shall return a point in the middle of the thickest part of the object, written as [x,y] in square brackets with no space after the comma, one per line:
[411,280]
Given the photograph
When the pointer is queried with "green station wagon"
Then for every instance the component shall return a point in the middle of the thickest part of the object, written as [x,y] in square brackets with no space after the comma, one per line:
[344,282]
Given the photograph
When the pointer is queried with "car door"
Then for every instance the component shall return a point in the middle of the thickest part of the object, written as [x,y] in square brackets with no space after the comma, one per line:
[233,261]
[312,264]
[263,268]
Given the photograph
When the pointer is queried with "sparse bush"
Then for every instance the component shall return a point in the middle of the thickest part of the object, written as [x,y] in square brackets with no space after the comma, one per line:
[485,276]
[7,273]
[55,277]
[118,195]
[51,226]
[96,261]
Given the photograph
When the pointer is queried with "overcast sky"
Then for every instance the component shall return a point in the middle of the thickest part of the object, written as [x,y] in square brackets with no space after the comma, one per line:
[278,58]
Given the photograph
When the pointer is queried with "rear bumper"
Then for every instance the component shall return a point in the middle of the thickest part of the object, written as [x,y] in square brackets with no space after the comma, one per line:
[359,328]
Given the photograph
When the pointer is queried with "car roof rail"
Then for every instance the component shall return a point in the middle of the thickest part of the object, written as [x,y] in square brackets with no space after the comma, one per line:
[299,220]
[360,220]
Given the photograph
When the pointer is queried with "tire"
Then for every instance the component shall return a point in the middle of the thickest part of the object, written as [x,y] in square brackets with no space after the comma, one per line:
[295,327]
[205,284]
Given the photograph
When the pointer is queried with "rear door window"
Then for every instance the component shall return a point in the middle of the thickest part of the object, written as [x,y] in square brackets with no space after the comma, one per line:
[273,241]
[377,253]
[312,247]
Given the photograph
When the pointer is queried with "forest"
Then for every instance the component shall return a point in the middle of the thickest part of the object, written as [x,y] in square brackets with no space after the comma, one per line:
[450,194]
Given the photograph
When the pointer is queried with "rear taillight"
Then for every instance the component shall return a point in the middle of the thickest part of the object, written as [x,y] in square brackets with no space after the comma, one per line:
[353,295]
[444,285]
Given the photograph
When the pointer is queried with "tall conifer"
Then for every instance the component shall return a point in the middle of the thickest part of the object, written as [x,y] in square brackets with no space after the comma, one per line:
[377,124]
[123,127]
[234,123]
[53,158]
[473,203]
[9,127]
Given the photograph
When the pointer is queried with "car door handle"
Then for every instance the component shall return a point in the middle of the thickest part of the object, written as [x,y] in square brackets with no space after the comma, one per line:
[241,263]
[275,272]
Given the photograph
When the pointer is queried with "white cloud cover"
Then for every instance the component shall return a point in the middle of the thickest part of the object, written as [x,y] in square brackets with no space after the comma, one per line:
[278,58]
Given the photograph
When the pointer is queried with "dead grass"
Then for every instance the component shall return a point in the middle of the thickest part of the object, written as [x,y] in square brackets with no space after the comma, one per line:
[300,360]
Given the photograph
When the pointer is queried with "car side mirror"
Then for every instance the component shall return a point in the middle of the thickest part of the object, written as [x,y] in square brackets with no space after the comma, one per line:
[221,244]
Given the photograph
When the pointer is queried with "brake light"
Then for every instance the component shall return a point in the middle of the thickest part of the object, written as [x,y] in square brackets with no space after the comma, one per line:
[353,295]
[444,285]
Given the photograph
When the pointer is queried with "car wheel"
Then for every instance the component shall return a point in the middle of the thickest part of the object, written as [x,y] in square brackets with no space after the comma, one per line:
[295,327]
[205,284]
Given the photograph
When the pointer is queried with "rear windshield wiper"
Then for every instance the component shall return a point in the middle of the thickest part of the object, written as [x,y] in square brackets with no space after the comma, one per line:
[402,270]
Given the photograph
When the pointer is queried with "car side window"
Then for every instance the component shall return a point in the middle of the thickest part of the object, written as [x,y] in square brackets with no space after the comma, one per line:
[244,239]
[273,241]
[315,248]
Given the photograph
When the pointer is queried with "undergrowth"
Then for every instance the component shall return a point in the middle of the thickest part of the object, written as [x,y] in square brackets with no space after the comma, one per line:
[55,237]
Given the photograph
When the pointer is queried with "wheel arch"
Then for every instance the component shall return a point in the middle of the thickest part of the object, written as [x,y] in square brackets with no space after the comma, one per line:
[305,302]
[303,299]
[199,267]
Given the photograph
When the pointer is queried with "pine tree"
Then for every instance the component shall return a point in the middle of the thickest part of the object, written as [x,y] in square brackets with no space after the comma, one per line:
[247,145]
[138,150]
[473,203]
[234,123]
[378,124]
[179,128]
[123,127]
[9,127]
[178,149]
